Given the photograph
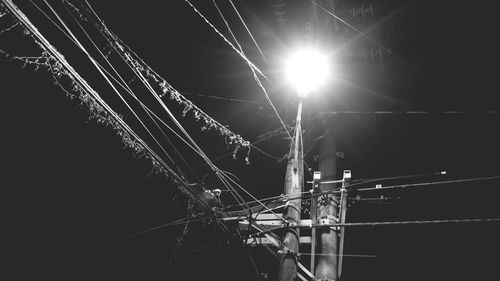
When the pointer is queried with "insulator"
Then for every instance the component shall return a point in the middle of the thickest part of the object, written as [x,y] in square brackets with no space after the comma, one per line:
[361,11]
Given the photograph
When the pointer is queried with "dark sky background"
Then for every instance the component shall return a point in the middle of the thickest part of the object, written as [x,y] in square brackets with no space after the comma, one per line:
[73,190]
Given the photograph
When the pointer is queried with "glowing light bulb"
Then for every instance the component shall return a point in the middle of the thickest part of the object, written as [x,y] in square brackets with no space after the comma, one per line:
[307,70]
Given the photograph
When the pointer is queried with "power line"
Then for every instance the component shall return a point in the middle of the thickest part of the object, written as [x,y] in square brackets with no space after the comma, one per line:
[350,187]
[9,28]
[410,112]
[381,223]
[248,30]
[174,223]
[252,66]
[425,183]
[222,98]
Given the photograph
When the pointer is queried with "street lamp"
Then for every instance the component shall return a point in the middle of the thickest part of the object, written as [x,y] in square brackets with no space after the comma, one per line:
[306,70]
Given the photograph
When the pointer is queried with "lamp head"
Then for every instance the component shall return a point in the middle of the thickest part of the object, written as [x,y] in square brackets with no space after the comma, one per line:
[307,70]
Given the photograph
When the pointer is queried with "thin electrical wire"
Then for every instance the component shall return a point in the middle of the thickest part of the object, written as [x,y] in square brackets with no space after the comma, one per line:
[256,200]
[55,23]
[9,28]
[223,178]
[171,129]
[230,187]
[262,200]
[172,146]
[420,112]
[373,199]
[381,223]
[222,98]
[59,84]
[172,117]
[232,191]
[231,174]
[257,80]
[364,181]
[247,251]
[231,153]
[252,66]
[302,157]
[308,169]
[148,230]
[228,27]
[248,30]
[386,223]
[259,83]
[425,183]
[265,153]
[241,49]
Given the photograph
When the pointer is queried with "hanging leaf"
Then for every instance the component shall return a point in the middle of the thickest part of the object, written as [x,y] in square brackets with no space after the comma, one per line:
[187,108]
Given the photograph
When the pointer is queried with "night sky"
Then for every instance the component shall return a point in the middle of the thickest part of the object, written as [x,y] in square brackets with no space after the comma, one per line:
[73,190]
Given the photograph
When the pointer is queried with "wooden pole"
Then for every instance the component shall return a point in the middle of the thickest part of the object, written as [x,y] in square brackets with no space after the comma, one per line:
[327,208]
[293,188]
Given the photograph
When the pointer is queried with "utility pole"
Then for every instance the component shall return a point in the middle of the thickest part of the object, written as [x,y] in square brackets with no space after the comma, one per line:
[327,207]
[293,189]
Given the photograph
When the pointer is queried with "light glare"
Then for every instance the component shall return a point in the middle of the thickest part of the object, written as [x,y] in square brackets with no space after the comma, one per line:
[307,70]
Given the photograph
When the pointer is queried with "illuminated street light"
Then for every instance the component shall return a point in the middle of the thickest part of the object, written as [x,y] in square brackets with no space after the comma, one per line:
[307,70]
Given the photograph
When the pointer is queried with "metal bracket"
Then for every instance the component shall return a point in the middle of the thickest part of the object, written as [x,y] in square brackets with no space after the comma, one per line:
[287,252]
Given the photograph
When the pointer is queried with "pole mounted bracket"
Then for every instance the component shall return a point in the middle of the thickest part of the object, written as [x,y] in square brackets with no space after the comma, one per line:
[328,220]
[287,252]
[347,176]
[327,199]
[316,180]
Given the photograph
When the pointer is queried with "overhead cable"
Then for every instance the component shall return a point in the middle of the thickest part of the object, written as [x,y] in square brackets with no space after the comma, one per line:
[248,30]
